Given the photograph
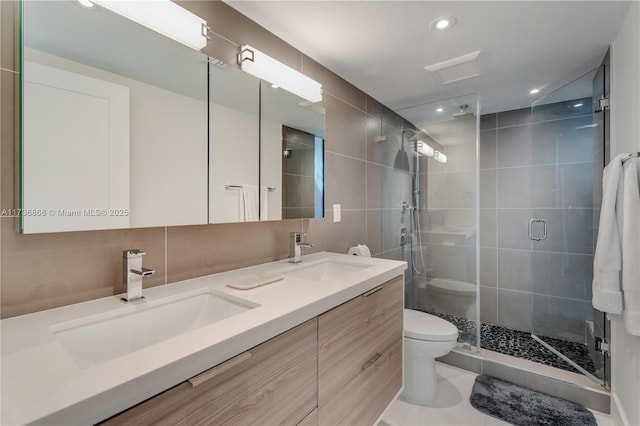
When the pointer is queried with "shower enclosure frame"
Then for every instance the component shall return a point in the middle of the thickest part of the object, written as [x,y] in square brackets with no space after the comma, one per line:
[420,201]
[599,353]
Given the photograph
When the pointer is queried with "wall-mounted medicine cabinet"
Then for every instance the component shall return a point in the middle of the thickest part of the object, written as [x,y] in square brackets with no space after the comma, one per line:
[123,127]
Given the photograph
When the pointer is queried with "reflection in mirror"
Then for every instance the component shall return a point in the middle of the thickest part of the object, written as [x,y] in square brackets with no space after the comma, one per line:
[114,132]
[292,155]
[233,145]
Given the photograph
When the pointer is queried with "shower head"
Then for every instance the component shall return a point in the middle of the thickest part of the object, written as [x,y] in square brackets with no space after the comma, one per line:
[464,111]
[401,161]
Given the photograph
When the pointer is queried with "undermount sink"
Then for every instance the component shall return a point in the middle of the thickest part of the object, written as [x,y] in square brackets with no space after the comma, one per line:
[324,271]
[107,336]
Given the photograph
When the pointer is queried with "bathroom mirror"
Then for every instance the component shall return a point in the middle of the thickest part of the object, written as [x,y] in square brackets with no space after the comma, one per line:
[234,149]
[114,120]
[291,155]
[123,127]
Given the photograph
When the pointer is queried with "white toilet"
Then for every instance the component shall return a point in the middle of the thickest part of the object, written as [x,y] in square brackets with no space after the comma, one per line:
[426,337]
[453,297]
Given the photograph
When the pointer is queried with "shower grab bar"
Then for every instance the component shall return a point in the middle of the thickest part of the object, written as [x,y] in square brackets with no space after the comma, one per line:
[544,223]
[269,188]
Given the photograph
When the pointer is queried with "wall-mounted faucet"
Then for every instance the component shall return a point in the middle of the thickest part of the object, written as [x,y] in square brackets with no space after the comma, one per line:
[132,274]
[295,246]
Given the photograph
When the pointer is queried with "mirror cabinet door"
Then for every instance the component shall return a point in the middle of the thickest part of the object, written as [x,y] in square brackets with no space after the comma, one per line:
[292,155]
[123,127]
[114,123]
[234,146]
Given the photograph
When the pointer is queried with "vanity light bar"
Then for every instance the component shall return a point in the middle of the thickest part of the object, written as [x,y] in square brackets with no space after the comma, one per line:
[265,67]
[424,149]
[438,156]
[164,17]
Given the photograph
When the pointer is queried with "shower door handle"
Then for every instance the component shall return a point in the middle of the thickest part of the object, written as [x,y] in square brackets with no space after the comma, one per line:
[544,223]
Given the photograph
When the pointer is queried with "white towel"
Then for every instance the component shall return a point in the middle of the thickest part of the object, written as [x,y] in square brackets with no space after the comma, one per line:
[631,246]
[618,245]
[250,202]
[607,262]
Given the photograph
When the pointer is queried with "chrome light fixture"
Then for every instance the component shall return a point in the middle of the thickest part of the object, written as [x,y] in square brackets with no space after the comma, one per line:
[440,157]
[424,149]
[164,17]
[263,66]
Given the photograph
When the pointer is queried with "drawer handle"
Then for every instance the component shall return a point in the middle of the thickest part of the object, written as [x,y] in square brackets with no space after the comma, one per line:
[372,361]
[370,292]
[219,369]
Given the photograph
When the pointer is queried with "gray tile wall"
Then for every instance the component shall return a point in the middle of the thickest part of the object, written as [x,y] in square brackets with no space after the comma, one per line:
[537,165]
[48,270]
[298,175]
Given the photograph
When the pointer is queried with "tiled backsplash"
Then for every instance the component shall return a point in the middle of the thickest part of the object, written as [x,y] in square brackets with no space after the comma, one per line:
[42,271]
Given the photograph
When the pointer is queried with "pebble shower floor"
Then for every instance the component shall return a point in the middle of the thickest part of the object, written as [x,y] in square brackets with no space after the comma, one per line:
[520,344]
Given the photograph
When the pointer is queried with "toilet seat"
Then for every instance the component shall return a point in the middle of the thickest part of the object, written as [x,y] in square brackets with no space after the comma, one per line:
[422,326]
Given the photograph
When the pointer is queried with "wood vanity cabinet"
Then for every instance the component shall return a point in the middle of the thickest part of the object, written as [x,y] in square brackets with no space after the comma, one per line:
[341,368]
[360,356]
[273,383]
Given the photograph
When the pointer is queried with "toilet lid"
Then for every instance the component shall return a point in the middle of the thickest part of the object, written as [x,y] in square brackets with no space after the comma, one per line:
[422,326]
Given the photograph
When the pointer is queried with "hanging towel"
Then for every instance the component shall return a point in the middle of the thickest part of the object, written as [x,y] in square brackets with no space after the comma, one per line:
[607,262]
[631,246]
[618,245]
[250,202]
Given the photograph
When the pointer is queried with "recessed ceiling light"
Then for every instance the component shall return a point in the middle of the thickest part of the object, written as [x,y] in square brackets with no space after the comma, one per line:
[440,110]
[534,91]
[443,23]
[578,105]
[85,3]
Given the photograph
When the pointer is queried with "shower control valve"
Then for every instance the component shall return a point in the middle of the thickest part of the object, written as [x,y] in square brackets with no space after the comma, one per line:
[404,236]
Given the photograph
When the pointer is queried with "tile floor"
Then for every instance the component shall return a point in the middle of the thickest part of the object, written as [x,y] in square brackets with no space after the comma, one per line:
[452,406]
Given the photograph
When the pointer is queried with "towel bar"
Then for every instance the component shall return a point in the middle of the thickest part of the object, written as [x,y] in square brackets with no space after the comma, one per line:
[269,188]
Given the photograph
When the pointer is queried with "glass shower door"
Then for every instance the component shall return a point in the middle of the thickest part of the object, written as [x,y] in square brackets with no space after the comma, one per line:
[435,203]
[560,227]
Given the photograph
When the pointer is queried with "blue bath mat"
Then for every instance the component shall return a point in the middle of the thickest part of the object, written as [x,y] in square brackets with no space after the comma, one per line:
[525,407]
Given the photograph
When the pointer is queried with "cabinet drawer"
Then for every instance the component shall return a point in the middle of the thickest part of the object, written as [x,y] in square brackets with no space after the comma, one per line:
[273,383]
[360,356]
[310,420]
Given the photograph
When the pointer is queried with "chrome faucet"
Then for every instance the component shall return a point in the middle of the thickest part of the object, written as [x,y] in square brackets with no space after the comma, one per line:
[295,246]
[132,274]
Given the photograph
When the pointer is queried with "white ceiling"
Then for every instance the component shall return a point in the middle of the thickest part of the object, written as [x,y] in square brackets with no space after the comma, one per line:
[382,47]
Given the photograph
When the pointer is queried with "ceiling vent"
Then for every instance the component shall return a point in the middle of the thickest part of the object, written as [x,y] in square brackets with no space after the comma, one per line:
[456,69]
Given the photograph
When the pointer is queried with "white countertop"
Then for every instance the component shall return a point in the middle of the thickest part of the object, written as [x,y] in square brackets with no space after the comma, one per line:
[42,383]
